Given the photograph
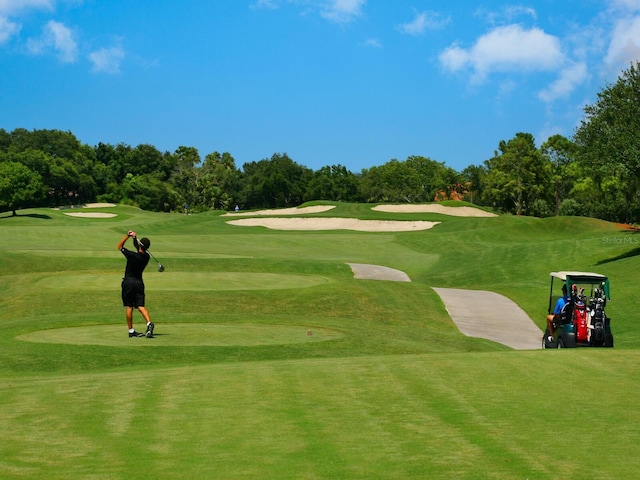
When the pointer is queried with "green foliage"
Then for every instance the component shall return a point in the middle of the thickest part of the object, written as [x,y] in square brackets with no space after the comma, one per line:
[609,141]
[540,208]
[333,183]
[570,207]
[475,179]
[517,176]
[561,153]
[275,182]
[417,179]
[148,192]
[19,186]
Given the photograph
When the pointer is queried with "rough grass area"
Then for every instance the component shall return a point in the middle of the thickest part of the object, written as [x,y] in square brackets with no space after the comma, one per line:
[235,387]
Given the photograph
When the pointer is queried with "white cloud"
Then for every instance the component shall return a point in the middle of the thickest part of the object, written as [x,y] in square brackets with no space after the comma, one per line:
[508,48]
[341,11]
[625,42]
[632,5]
[506,15]
[422,22]
[107,60]
[57,37]
[268,4]
[12,7]
[567,82]
[518,10]
[336,11]
[372,42]
[7,29]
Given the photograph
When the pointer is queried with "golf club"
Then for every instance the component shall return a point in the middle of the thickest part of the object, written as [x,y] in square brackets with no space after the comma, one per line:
[160,266]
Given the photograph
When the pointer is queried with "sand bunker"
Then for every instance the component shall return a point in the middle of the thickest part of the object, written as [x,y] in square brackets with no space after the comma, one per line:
[434,208]
[333,223]
[283,211]
[90,214]
[99,205]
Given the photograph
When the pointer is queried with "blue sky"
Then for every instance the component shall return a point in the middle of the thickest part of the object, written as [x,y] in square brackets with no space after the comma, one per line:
[350,82]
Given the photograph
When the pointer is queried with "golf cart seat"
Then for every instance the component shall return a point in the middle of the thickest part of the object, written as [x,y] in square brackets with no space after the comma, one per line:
[565,316]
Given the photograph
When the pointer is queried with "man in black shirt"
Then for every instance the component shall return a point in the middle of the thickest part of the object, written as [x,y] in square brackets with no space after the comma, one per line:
[132,284]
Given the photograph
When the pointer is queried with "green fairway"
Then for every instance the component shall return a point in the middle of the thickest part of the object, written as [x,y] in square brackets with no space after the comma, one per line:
[271,361]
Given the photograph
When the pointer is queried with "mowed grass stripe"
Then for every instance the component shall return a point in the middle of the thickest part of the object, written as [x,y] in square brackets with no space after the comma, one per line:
[191,281]
[455,416]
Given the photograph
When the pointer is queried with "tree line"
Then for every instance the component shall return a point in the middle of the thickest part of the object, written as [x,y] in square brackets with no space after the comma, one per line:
[596,173]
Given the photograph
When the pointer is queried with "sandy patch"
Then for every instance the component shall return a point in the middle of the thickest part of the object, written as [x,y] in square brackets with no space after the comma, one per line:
[99,205]
[86,205]
[283,211]
[90,214]
[434,208]
[333,223]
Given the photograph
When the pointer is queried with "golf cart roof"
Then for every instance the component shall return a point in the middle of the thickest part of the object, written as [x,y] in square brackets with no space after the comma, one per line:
[572,278]
[577,277]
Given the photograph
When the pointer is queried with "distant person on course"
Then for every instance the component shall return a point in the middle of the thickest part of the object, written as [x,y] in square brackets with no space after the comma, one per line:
[132,284]
[557,311]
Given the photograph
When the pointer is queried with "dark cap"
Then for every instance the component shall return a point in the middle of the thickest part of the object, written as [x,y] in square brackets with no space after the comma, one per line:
[145,243]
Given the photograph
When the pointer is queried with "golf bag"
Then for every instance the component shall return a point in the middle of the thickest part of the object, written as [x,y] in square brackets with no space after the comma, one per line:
[581,326]
[598,318]
[580,322]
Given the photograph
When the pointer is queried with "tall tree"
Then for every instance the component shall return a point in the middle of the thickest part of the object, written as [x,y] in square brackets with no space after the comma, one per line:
[19,186]
[417,179]
[609,138]
[333,182]
[276,182]
[474,178]
[185,175]
[561,153]
[517,175]
[219,181]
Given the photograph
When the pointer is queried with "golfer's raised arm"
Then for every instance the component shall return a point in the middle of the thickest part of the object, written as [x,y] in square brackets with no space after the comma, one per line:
[121,243]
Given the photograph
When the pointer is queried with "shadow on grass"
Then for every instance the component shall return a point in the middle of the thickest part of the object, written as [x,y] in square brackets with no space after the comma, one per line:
[41,216]
[629,254]
[630,238]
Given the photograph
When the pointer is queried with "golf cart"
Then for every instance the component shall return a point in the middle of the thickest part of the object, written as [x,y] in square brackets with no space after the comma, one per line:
[582,321]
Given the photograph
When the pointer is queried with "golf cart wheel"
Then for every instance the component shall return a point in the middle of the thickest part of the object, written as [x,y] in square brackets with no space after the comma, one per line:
[545,340]
[560,343]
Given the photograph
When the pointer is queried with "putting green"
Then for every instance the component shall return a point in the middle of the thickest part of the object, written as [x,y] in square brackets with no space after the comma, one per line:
[185,334]
[192,281]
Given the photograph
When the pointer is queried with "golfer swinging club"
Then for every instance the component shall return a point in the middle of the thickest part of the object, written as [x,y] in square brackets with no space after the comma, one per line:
[132,284]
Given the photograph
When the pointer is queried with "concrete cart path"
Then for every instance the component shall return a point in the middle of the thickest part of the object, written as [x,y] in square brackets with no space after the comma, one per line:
[483,314]
[365,271]
[476,313]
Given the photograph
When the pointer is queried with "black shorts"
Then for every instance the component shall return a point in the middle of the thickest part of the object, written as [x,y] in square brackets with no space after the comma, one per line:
[132,292]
